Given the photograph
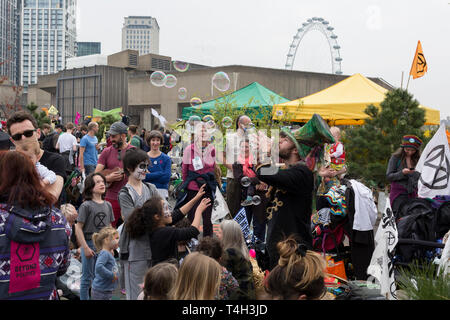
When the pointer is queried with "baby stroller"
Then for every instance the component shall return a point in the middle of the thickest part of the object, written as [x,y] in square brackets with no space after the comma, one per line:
[421,225]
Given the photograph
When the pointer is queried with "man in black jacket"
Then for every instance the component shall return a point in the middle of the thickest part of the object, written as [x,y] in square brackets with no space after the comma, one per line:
[22,126]
[290,209]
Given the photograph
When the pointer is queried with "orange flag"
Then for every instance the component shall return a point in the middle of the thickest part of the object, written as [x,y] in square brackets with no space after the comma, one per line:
[419,66]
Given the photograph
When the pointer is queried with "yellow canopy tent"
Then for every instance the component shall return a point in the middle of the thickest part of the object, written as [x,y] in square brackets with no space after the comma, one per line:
[342,104]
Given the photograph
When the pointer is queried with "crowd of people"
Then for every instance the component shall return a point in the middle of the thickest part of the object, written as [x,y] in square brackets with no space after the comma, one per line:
[130,237]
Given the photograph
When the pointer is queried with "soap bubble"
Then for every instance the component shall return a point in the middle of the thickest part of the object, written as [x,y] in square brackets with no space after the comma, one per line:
[208,117]
[256,200]
[158,78]
[227,122]
[194,119]
[221,81]
[245,182]
[196,102]
[171,81]
[210,125]
[181,66]
[182,93]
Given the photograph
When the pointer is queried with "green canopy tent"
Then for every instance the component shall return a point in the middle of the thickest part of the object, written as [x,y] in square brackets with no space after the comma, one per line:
[255,98]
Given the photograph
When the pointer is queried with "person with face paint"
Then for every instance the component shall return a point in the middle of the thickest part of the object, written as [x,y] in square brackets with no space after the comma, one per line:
[135,252]
[111,166]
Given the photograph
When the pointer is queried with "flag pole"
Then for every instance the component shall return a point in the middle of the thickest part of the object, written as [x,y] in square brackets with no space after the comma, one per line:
[401,83]
[407,84]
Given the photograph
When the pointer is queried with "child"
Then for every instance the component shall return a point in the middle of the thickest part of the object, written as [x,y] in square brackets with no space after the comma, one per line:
[135,253]
[94,214]
[185,246]
[229,287]
[155,216]
[32,150]
[198,278]
[337,153]
[106,270]
[158,282]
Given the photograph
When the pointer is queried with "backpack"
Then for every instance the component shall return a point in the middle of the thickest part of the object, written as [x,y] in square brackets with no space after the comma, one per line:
[420,223]
[50,141]
[414,206]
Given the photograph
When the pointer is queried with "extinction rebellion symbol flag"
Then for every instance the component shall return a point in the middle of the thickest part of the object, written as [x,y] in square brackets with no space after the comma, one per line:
[434,167]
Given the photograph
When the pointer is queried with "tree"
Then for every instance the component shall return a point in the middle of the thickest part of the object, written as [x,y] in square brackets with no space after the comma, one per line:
[369,147]
[40,117]
[103,126]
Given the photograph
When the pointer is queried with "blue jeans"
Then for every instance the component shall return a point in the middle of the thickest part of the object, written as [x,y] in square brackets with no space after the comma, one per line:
[89,169]
[101,295]
[87,272]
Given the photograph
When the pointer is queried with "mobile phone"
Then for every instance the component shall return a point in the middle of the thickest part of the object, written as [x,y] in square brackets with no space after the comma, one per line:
[411,168]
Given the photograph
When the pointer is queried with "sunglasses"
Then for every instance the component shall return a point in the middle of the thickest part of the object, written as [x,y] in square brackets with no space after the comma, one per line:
[26,133]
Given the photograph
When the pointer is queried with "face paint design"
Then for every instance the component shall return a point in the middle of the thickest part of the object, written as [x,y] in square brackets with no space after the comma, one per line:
[140,171]
[166,210]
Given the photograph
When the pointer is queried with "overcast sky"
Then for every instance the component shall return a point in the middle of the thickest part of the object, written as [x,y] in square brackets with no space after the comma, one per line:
[378,38]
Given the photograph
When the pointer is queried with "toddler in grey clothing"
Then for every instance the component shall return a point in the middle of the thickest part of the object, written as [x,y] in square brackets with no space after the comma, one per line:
[33,150]
[47,176]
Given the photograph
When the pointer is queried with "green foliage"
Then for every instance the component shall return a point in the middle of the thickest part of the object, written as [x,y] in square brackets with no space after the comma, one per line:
[421,282]
[103,126]
[40,117]
[369,146]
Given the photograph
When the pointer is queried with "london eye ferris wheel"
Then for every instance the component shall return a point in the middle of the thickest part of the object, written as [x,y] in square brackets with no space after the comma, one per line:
[326,29]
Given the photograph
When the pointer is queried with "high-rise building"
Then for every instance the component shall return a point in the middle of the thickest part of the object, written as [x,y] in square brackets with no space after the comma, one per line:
[48,37]
[9,40]
[88,48]
[140,34]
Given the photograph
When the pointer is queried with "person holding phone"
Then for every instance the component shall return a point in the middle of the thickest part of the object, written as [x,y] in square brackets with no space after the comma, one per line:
[401,172]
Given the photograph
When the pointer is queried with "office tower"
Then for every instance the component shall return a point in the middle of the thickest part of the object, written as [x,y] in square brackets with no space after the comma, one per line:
[140,34]
[9,40]
[48,37]
[88,48]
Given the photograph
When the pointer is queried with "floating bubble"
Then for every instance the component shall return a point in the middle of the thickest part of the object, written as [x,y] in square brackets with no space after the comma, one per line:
[196,102]
[158,78]
[210,125]
[208,117]
[227,122]
[245,181]
[256,200]
[182,93]
[181,66]
[171,81]
[221,81]
[194,119]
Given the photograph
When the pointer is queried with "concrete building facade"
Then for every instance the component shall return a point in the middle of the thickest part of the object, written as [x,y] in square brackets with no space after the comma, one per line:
[290,84]
[125,82]
[140,33]
[48,37]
